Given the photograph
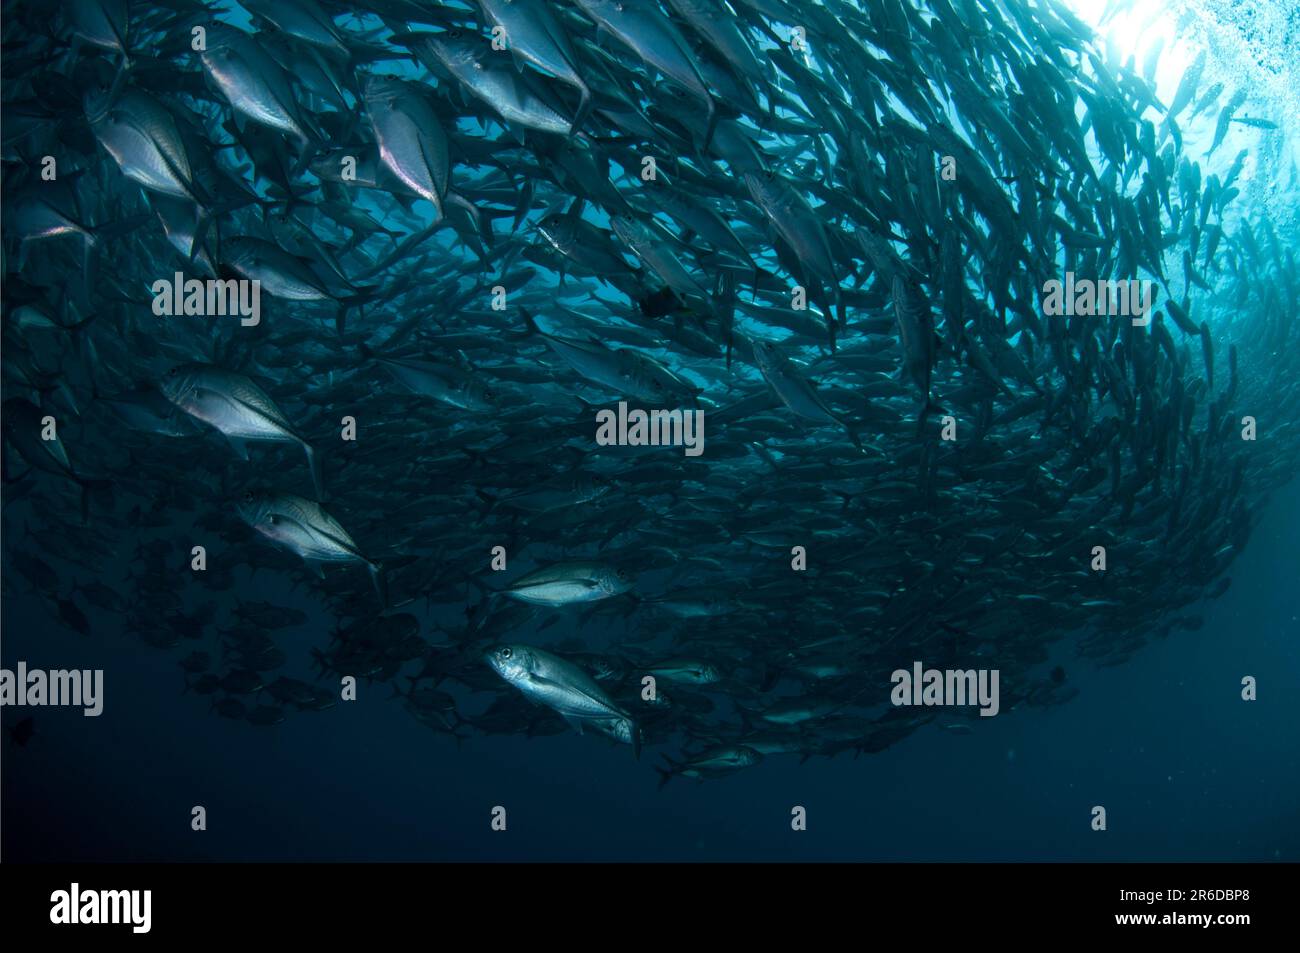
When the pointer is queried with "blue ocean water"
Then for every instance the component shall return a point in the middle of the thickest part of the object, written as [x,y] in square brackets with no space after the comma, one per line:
[1186,769]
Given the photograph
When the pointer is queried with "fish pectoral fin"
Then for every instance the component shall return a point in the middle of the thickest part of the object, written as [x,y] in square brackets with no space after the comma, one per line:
[239,445]
[317,569]
[574,723]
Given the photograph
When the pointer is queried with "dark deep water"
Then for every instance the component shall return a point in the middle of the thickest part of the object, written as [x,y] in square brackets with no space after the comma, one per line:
[1186,769]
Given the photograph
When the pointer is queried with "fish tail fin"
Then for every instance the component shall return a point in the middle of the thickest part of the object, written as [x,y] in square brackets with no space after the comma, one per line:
[584,109]
[363,296]
[78,325]
[481,225]
[711,124]
[378,577]
[476,613]
[321,662]
[479,584]
[92,486]
[317,473]
[311,145]
[928,408]
[665,774]
[530,323]
[853,435]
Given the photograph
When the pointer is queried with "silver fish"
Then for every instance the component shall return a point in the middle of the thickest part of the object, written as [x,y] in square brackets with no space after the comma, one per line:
[560,685]
[412,144]
[568,583]
[303,527]
[237,407]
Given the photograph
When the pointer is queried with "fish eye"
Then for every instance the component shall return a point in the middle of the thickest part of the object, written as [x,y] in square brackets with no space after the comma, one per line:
[506,653]
[248,497]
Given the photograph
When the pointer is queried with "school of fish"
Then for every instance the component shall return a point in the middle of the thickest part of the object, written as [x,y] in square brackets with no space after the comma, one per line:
[826,227]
